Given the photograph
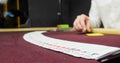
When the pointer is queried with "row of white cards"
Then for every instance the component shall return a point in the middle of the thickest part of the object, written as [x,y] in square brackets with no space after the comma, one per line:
[77,49]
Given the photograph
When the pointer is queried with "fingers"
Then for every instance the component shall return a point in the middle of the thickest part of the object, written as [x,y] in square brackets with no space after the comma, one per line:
[88,26]
[81,23]
[77,25]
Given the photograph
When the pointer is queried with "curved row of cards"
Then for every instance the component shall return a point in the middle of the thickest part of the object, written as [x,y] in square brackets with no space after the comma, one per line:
[76,49]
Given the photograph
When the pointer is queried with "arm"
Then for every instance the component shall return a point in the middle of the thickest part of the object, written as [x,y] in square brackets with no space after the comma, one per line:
[94,15]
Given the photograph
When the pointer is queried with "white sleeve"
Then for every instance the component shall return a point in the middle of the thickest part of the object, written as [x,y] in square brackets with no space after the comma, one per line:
[94,15]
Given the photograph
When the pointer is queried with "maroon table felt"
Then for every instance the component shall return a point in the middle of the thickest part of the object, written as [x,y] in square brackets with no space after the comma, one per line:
[14,49]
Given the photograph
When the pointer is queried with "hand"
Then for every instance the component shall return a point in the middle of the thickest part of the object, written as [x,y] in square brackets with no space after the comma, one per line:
[81,23]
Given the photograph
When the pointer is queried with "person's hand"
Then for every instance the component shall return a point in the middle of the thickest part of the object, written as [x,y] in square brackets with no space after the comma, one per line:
[81,23]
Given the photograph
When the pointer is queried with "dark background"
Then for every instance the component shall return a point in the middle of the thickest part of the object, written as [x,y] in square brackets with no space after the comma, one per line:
[44,13]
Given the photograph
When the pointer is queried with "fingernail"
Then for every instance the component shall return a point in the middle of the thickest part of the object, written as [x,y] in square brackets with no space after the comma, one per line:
[84,30]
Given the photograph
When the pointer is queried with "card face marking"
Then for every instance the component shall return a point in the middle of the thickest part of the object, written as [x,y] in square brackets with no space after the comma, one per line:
[95,34]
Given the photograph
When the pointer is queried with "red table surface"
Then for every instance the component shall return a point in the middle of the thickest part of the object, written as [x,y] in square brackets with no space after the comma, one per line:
[14,49]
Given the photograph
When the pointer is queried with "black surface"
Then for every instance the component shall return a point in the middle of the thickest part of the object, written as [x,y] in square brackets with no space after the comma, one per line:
[43,13]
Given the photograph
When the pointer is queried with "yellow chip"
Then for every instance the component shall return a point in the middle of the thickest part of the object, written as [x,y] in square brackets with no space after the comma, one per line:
[95,34]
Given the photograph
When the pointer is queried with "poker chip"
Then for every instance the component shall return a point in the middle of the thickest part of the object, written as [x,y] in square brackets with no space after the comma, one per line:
[63,26]
[94,34]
